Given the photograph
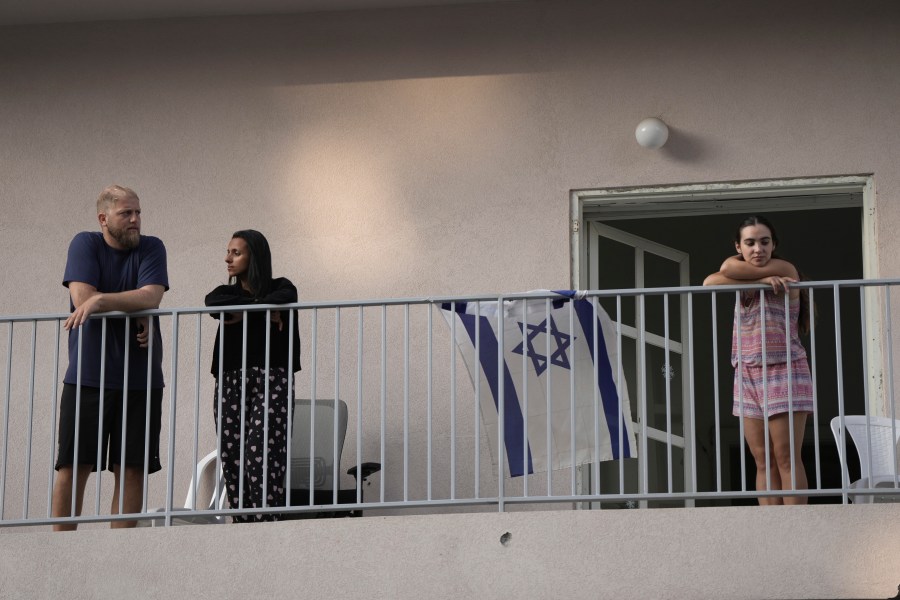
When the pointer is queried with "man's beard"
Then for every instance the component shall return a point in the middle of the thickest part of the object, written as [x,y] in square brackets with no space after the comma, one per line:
[128,238]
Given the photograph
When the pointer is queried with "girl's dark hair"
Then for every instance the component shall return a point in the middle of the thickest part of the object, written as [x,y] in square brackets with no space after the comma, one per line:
[259,271]
[756,220]
[803,317]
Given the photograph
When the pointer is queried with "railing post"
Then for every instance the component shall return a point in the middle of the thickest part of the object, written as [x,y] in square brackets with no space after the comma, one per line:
[717,417]
[620,380]
[573,359]
[335,473]
[524,394]
[383,416]
[812,346]
[54,402]
[29,426]
[690,430]
[865,361]
[195,475]
[173,396]
[149,397]
[406,402]
[477,403]
[667,365]
[549,432]
[501,409]
[452,401]
[891,412]
[429,391]
[642,382]
[839,368]
[9,346]
[359,404]
[101,412]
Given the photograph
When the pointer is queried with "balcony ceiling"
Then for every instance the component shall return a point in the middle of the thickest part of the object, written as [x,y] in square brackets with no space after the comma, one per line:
[69,11]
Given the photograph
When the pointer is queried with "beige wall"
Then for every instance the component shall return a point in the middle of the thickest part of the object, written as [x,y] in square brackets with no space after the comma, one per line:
[422,151]
[417,151]
[722,553]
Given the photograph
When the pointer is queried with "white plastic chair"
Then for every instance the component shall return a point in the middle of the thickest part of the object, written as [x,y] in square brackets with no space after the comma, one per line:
[326,446]
[878,471]
[325,460]
[208,495]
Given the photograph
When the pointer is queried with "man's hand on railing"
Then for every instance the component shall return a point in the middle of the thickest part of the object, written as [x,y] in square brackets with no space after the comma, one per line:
[142,324]
[89,305]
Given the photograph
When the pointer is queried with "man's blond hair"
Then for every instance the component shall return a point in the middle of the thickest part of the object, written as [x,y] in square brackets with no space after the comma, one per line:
[111,195]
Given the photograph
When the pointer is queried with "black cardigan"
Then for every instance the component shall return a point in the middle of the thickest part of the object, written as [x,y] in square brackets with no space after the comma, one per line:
[282,292]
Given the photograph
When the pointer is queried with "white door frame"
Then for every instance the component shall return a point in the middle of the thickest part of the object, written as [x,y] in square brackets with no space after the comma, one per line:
[743,196]
[642,337]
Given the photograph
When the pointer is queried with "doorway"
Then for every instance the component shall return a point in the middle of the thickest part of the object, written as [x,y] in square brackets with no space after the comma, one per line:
[811,224]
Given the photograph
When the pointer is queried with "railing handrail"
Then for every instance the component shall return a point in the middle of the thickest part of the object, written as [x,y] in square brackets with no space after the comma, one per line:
[417,300]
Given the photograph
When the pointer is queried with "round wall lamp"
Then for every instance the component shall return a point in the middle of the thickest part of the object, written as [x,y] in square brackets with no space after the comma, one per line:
[651,133]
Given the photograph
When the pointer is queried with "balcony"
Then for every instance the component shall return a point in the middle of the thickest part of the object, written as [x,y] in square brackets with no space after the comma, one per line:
[422,404]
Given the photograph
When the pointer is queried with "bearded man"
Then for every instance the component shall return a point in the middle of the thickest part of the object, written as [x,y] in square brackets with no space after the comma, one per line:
[104,422]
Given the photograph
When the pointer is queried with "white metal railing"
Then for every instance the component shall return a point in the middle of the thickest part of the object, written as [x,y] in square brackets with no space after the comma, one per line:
[414,409]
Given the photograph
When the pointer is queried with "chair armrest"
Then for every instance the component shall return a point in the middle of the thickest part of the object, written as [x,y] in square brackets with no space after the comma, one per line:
[366,469]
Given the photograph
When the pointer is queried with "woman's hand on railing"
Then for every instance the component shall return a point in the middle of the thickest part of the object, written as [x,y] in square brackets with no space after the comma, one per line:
[779,284]
[275,317]
[232,318]
[276,320]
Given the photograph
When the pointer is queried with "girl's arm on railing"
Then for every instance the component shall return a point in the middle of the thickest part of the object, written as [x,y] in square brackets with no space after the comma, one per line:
[735,268]
[282,292]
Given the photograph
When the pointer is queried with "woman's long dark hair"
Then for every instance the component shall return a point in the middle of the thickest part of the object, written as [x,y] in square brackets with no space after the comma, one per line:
[259,271]
[804,316]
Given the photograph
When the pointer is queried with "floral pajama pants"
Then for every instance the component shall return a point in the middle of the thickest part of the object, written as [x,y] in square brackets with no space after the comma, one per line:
[249,491]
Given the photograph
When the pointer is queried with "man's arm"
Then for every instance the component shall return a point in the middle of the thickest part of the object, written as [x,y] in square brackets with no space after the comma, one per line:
[87,301]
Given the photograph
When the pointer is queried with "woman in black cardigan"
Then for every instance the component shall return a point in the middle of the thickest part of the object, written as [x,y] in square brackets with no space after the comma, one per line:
[247,413]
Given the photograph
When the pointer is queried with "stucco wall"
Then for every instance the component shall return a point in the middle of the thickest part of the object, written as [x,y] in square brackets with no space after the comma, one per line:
[417,151]
[385,151]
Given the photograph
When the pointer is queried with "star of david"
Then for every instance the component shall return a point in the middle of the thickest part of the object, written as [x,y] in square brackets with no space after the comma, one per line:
[557,357]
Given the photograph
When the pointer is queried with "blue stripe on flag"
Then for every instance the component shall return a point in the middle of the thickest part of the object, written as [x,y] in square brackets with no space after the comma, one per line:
[608,393]
[513,422]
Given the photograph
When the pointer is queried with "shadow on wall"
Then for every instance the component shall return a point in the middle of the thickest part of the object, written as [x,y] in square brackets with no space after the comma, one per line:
[685,147]
[418,42]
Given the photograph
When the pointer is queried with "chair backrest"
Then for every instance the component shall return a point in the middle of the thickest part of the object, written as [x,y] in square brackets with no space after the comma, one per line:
[203,484]
[881,430]
[326,427]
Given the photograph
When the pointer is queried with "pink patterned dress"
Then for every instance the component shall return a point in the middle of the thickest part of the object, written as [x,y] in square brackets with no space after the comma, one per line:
[781,382]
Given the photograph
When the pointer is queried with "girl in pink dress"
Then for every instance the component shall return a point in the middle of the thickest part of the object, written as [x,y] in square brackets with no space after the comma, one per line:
[771,377]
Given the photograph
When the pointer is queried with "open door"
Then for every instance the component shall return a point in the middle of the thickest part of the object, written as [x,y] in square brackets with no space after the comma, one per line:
[654,353]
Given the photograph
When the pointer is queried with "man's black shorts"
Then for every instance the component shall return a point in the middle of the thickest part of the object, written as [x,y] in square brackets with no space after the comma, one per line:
[111,439]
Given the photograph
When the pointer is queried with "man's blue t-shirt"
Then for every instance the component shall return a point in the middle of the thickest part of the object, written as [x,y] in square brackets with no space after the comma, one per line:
[92,261]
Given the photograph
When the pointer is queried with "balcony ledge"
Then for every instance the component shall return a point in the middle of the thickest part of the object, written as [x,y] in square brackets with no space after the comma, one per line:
[730,552]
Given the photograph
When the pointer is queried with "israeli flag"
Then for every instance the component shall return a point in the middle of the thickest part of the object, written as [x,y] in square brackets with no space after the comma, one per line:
[559,360]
